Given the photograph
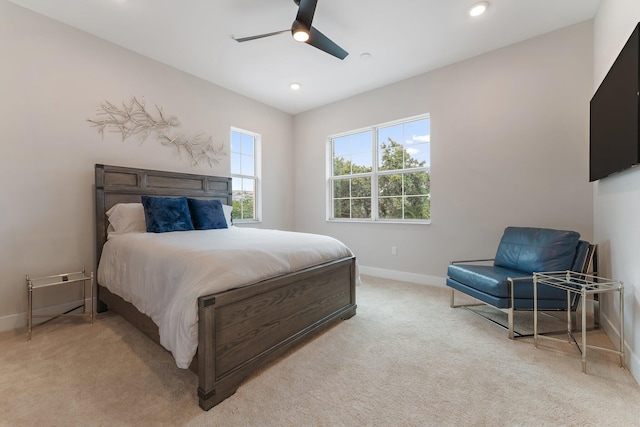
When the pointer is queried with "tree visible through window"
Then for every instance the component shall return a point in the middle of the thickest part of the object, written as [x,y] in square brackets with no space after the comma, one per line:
[244,175]
[390,182]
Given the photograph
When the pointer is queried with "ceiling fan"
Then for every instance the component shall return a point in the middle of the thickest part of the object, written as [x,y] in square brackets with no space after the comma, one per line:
[303,31]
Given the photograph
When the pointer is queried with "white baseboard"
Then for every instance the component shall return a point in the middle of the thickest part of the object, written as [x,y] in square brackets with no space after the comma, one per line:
[631,361]
[19,320]
[420,279]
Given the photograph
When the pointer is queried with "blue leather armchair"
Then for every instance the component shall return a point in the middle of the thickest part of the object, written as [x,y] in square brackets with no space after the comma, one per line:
[507,284]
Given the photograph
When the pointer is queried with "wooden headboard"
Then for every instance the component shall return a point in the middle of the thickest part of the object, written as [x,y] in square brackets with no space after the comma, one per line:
[116,184]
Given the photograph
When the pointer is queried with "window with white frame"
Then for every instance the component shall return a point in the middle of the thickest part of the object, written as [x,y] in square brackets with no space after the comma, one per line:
[245,167]
[382,173]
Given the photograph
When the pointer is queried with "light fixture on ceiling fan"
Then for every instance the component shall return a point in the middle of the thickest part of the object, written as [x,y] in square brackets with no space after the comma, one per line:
[299,32]
[304,32]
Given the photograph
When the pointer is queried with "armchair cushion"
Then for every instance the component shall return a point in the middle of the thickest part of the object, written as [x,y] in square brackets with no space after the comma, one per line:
[494,281]
[484,278]
[536,249]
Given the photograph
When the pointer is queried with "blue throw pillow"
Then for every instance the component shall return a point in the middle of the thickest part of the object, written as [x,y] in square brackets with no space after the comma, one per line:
[207,214]
[164,214]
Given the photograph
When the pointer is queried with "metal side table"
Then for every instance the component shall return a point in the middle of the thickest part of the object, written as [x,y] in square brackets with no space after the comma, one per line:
[59,280]
[584,285]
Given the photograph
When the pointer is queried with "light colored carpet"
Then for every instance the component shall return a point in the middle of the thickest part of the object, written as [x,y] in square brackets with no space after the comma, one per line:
[405,359]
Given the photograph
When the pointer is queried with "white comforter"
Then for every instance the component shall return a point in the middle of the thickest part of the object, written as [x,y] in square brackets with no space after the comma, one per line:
[164,274]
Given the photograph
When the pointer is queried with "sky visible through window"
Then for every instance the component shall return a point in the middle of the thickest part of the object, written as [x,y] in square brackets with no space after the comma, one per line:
[414,136]
[383,172]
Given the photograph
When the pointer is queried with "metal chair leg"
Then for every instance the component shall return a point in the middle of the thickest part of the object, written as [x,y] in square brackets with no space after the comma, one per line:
[510,312]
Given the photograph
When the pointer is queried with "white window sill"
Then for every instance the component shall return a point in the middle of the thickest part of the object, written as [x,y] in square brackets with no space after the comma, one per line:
[246,221]
[380,221]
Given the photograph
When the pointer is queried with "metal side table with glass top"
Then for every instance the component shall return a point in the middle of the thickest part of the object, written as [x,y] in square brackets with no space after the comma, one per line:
[65,279]
[583,285]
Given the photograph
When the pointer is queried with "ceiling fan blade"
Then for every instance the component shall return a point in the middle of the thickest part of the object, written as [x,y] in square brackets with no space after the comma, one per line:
[322,42]
[260,36]
[306,10]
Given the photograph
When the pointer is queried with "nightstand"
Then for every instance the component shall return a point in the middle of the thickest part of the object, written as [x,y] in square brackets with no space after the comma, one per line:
[65,279]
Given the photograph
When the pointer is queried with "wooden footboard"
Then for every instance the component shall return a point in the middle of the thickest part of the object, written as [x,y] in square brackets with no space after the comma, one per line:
[245,329]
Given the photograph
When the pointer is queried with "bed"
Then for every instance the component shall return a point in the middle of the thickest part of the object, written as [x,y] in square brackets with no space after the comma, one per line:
[239,330]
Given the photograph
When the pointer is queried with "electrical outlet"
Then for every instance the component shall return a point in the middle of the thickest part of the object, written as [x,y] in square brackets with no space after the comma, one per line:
[394,250]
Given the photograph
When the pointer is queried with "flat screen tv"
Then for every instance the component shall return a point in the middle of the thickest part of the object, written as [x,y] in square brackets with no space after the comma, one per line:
[614,137]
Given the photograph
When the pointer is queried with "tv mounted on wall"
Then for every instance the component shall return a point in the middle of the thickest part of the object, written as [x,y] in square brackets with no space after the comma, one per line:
[614,135]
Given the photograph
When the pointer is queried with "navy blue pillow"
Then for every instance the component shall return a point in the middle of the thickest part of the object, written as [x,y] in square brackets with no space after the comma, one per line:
[165,214]
[207,214]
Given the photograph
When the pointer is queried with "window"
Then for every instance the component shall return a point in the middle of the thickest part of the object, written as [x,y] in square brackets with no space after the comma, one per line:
[382,173]
[245,148]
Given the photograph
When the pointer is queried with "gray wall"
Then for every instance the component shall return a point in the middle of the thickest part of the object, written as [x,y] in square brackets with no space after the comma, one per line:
[52,79]
[509,146]
[617,198]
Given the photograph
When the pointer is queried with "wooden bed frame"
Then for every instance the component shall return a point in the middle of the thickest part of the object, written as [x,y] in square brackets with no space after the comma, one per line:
[240,330]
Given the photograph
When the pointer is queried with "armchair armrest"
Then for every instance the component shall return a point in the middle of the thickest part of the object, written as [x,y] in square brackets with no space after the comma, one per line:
[514,279]
[470,261]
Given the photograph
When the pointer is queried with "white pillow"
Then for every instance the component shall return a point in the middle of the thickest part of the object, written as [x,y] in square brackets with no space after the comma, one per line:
[227,214]
[126,218]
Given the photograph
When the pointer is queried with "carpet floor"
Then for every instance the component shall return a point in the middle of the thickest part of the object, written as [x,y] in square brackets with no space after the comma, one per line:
[405,359]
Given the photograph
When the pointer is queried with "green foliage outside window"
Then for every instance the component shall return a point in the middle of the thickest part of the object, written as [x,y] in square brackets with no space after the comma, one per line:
[243,207]
[402,193]
[408,190]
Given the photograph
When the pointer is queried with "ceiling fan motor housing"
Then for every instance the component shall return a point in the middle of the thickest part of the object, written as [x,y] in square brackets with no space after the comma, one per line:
[303,31]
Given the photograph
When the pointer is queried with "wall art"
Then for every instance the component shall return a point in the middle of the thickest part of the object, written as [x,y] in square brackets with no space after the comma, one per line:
[134,120]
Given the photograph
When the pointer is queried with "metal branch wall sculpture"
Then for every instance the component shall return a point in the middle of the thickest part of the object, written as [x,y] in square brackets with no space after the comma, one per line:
[134,120]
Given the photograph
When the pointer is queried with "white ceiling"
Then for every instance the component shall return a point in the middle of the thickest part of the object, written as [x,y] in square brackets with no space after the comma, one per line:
[404,37]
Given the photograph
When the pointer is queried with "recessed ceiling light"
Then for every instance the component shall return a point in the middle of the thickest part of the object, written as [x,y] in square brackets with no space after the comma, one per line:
[479,8]
[365,56]
[295,86]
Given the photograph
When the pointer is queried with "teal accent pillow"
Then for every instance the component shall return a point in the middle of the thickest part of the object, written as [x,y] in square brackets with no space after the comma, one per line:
[207,214]
[164,214]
